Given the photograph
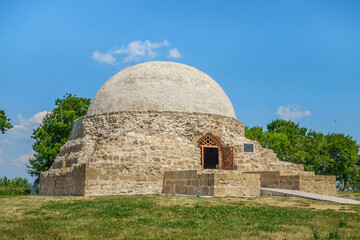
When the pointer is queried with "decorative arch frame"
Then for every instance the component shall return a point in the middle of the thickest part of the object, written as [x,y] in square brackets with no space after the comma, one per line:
[209,141]
[227,153]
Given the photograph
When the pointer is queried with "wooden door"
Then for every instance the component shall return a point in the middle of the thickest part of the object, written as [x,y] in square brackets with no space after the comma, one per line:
[228,158]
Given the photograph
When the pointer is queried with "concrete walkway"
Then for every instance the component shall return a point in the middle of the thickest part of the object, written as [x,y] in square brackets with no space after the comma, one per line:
[314,196]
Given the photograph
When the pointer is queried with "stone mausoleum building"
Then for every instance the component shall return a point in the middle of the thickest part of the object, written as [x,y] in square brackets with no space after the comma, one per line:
[165,127]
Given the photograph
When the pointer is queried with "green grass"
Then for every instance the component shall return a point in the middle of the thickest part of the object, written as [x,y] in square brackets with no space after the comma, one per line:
[350,194]
[174,217]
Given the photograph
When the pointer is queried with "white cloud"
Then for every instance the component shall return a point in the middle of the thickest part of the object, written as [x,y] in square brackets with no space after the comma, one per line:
[25,126]
[19,136]
[135,51]
[22,159]
[291,112]
[174,53]
[38,117]
[103,57]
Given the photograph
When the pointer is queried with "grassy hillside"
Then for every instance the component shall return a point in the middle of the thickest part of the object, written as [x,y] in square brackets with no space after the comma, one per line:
[175,217]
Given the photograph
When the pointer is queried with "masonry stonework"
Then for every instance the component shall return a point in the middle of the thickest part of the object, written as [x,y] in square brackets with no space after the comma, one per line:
[150,146]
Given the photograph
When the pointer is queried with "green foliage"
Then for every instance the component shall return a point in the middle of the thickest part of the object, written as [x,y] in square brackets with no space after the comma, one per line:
[284,137]
[342,222]
[334,234]
[316,233]
[16,186]
[332,154]
[54,131]
[343,156]
[16,182]
[4,122]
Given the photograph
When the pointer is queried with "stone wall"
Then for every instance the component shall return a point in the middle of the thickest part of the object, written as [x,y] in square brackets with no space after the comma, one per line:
[116,179]
[188,182]
[234,183]
[136,148]
[319,184]
[166,135]
[66,181]
[302,181]
[211,183]
[262,159]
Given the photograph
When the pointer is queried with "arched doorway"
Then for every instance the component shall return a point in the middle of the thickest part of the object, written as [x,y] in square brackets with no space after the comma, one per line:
[212,151]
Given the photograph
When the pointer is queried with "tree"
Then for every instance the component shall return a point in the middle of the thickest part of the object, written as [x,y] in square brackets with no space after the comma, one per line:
[284,137]
[294,152]
[343,153]
[255,133]
[273,140]
[54,132]
[4,122]
[316,158]
[332,154]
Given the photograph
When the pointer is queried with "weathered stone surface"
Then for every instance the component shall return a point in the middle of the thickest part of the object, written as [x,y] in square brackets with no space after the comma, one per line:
[141,134]
[154,86]
[302,181]
[211,183]
[64,181]
[128,152]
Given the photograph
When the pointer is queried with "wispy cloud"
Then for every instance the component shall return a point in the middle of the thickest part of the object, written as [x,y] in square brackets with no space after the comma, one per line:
[25,126]
[103,57]
[138,50]
[135,51]
[22,159]
[19,135]
[292,112]
[38,117]
[174,53]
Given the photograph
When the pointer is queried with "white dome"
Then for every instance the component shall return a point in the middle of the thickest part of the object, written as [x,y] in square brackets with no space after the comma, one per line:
[161,86]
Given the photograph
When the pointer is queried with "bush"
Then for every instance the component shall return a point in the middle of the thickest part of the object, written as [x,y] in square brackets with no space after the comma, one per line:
[16,186]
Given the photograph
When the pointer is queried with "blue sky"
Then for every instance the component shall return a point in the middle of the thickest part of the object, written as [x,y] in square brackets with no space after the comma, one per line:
[295,60]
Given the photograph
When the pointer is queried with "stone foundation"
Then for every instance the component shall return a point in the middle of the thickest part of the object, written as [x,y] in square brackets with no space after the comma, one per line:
[67,181]
[302,181]
[114,179]
[211,183]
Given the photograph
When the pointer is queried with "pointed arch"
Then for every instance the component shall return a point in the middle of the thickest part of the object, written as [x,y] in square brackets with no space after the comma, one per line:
[209,141]
[210,151]
[213,154]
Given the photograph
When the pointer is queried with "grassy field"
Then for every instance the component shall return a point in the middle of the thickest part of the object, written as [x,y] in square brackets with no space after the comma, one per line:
[176,217]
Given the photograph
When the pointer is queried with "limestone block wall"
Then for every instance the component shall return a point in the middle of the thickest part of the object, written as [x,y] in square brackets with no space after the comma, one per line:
[213,183]
[114,179]
[136,146]
[188,182]
[145,135]
[67,181]
[319,184]
[302,181]
[234,183]
[171,135]
[262,159]
[276,179]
